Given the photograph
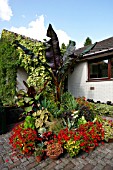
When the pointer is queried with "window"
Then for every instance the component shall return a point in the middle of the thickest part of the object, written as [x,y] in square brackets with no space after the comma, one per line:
[112,68]
[100,69]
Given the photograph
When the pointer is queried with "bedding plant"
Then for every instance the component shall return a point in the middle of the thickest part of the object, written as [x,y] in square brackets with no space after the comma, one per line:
[26,140]
[108,129]
[86,109]
[52,145]
[39,151]
[54,149]
[90,134]
[70,141]
[82,138]
[72,146]
[23,139]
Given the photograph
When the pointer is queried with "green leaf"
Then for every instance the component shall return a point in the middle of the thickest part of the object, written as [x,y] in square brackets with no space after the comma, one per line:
[28,109]
[20,103]
[31,102]
[25,125]
[69,123]
[28,118]
[27,99]
[37,96]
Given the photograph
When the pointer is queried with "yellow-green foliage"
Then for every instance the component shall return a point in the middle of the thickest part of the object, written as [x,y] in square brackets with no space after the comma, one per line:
[42,117]
[72,147]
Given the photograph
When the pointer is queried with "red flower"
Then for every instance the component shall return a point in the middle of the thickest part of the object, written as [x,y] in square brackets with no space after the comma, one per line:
[7,160]
[76,137]
[23,139]
[102,143]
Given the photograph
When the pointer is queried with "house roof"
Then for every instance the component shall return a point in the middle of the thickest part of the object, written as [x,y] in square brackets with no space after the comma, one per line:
[17,37]
[16,34]
[96,48]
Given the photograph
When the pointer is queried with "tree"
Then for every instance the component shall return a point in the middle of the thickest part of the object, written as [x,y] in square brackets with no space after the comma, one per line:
[88,41]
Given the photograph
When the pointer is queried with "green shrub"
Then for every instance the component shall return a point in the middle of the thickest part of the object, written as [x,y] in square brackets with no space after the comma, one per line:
[68,102]
[104,109]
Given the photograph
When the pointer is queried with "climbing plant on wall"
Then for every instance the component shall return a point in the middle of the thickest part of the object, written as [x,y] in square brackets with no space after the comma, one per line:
[8,66]
[12,56]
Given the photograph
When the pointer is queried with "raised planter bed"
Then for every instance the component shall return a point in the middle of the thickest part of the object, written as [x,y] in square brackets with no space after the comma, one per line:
[9,116]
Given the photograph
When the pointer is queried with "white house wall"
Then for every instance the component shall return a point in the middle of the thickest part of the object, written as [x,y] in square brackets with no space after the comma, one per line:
[78,85]
[21,76]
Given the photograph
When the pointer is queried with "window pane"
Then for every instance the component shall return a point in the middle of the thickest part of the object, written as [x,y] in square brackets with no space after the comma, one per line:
[99,69]
[112,67]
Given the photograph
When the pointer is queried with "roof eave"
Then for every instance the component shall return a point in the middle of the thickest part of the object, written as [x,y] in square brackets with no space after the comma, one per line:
[97,54]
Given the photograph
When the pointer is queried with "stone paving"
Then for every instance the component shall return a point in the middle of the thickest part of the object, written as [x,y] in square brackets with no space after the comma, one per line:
[100,159]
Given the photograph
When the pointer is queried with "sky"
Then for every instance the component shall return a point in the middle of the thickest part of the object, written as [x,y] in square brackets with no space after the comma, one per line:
[71,19]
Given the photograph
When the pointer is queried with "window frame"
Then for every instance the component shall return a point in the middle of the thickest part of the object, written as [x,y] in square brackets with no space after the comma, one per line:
[109,69]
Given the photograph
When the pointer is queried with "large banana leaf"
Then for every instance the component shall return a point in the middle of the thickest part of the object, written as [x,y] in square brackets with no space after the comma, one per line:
[53,55]
[58,64]
[68,59]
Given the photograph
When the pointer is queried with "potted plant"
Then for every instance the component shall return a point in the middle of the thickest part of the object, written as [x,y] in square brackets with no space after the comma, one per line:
[91,147]
[90,134]
[70,140]
[73,147]
[39,153]
[54,149]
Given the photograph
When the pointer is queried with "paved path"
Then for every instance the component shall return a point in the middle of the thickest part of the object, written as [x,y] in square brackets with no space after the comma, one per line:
[100,159]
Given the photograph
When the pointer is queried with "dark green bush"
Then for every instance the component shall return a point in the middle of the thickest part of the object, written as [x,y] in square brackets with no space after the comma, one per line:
[86,112]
